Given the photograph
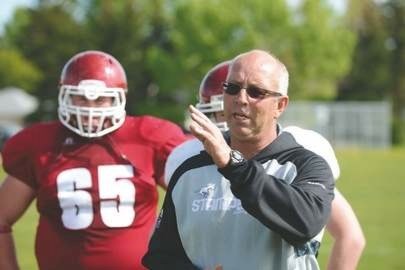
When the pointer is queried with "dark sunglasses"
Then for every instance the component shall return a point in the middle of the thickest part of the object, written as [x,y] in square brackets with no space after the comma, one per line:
[252,91]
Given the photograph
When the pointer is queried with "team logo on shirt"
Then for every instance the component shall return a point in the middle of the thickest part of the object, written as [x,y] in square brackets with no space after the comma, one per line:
[207,191]
[207,201]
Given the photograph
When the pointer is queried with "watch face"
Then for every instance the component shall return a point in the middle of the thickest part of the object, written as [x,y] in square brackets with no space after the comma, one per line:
[236,157]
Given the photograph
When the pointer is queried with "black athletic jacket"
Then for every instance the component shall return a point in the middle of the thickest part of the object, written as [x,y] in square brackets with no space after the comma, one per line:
[262,214]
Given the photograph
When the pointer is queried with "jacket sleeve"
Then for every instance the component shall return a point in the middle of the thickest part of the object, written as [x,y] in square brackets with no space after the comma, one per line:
[296,211]
[165,248]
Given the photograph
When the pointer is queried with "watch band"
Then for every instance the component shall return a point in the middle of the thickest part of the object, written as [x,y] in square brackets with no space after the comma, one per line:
[236,158]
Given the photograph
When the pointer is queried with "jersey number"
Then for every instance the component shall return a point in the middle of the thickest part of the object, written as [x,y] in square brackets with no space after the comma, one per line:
[116,191]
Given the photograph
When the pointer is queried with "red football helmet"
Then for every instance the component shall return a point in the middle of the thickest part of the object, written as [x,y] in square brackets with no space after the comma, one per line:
[211,93]
[92,74]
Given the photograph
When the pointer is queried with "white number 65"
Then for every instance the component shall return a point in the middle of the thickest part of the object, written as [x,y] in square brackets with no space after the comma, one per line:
[116,191]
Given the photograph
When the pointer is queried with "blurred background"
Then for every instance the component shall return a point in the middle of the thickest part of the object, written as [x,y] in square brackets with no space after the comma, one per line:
[346,60]
[337,52]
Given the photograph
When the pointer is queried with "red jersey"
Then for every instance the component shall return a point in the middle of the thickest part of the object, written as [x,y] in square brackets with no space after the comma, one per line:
[97,197]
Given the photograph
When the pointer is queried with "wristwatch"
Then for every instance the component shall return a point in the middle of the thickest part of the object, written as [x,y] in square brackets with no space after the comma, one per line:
[236,158]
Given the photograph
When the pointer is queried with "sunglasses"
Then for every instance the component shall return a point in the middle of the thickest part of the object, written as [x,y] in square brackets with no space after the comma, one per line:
[252,91]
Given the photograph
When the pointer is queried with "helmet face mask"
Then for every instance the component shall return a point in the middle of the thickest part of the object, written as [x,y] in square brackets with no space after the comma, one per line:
[216,104]
[96,78]
[211,94]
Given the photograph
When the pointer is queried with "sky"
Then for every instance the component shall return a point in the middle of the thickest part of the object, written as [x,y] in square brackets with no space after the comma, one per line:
[7,8]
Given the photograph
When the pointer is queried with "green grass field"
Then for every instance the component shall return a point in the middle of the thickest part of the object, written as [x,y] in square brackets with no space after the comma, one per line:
[371,180]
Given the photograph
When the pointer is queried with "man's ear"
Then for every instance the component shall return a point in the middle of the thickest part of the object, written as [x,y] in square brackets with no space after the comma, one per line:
[282,104]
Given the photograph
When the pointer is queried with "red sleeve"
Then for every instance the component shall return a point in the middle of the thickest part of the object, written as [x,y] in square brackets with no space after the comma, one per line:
[165,136]
[18,156]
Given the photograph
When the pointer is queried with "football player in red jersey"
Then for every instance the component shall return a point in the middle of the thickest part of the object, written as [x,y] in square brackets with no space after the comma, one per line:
[94,173]
[343,225]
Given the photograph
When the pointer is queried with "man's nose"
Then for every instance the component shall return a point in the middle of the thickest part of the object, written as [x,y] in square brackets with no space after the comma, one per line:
[242,96]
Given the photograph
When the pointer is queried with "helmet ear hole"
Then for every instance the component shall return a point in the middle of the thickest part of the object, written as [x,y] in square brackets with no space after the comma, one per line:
[92,75]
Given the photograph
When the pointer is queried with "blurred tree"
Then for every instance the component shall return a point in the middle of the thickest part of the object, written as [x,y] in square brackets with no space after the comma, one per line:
[394,11]
[205,33]
[48,35]
[128,29]
[166,47]
[367,79]
[378,68]
[15,70]
[202,34]
[322,51]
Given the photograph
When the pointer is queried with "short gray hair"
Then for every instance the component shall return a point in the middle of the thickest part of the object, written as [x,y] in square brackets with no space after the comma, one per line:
[283,80]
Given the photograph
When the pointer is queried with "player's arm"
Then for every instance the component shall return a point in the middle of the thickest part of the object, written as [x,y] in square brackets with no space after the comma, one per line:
[164,136]
[15,197]
[349,240]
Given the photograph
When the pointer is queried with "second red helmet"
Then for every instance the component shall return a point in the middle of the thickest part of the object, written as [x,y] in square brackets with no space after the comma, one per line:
[211,92]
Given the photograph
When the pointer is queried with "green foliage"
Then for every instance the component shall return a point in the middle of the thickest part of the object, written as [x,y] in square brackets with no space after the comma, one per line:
[378,68]
[398,131]
[15,70]
[205,33]
[166,48]
[48,36]
[370,54]
[322,47]
[395,20]
[199,43]
[132,31]
[19,21]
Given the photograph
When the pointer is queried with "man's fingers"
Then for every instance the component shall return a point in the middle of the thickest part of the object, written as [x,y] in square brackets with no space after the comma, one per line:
[199,117]
[196,129]
[200,132]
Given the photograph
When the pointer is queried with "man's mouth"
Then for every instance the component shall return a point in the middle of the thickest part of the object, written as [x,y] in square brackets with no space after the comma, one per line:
[240,116]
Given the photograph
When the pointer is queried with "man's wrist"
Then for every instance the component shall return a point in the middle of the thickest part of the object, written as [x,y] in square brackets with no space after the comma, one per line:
[235,169]
[236,158]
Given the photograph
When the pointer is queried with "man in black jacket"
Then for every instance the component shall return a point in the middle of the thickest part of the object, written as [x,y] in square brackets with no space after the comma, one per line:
[254,199]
